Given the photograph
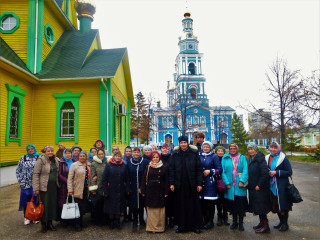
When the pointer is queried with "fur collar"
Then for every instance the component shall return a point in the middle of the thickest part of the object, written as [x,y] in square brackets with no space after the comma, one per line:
[280,160]
[191,147]
[96,159]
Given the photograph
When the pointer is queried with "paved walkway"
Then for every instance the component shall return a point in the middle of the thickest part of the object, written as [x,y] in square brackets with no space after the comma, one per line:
[304,220]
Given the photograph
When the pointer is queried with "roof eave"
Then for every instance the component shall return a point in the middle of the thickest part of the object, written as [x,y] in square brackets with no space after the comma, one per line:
[64,17]
[128,78]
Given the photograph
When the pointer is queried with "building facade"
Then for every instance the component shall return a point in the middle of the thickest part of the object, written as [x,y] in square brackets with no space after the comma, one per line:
[188,110]
[57,83]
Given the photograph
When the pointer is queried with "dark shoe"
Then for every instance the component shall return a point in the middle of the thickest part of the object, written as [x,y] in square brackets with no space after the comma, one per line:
[142,223]
[118,224]
[280,223]
[259,225]
[135,224]
[219,223]
[111,226]
[44,227]
[225,220]
[78,227]
[197,231]
[284,227]
[171,224]
[234,226]
[208,225]
[178,230]
[265,227]
[241,228]
[51,227]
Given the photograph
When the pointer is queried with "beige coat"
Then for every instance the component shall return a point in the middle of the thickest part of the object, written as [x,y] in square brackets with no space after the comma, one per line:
[76,178]
[41,172]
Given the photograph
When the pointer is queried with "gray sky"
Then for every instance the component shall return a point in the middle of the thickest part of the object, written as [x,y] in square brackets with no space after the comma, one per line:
[239,39]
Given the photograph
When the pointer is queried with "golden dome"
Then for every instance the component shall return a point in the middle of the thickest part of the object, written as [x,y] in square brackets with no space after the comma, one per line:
[85,8]
[187,15]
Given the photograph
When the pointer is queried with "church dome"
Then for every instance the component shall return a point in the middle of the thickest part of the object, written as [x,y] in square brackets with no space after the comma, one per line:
[187,15]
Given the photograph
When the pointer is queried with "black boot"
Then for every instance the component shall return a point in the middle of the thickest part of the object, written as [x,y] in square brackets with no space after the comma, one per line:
[112,224]
[51,227]
[234,224]
[280,223]
[171,224]
[225,218]
[210,221]
[78,225]
[118,223]
[241,228]
[219,223]
[265,227]
[141,219]
[135,218]
[284,227]
[259,225]
[44,227]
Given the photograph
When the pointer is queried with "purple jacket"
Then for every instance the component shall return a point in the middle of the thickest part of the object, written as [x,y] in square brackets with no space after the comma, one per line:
[63,178]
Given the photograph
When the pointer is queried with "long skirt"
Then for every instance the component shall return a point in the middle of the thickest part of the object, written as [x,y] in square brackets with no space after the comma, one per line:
[237,206]
[25,197]
[156,219]
[275,205]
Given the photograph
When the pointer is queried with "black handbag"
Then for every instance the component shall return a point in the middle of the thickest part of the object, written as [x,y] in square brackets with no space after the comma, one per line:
[94,199]
[293,193]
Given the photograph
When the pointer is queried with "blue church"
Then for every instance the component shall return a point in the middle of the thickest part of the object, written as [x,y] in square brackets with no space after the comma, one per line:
[188,110]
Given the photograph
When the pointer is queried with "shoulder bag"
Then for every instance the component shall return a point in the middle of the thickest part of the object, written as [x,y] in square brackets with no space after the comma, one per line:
[293,193]
[33,212]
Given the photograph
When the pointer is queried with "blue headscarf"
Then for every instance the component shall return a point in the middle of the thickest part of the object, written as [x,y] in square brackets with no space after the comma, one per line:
[90,154]
[68,161]
[104,156]
[35,151]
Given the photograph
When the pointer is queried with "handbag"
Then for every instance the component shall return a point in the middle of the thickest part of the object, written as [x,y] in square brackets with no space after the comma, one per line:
[33,212]
[70,210]
[94,199]
[293,193]
[221,186]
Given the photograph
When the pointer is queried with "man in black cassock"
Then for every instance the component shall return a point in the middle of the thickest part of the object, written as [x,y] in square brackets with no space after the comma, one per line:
[185,178]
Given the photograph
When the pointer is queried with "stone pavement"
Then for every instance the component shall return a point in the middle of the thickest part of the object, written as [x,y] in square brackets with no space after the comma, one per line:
[304,220]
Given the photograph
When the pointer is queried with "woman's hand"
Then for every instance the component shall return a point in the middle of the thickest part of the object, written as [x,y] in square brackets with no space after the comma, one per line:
[70,193]
[206,172]
[228,186]
[172,188]
[95,178]
[94,193]
[166,195]
[257,188]
[199,189]
[272,173]
[240,184]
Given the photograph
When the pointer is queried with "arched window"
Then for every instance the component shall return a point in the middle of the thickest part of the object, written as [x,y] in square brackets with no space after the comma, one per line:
[192,69]
[14,118]
[67,120]
[193,93]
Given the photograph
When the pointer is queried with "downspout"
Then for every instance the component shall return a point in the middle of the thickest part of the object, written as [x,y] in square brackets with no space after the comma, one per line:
[105,87]
[36,39]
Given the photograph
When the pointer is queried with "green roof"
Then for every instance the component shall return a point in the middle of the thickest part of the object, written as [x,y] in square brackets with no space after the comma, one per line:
[7,53]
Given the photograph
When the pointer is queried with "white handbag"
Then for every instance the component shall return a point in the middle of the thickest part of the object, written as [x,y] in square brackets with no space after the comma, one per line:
[70,210]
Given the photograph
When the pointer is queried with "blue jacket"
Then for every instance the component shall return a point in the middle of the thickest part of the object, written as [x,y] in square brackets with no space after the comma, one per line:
[210,162]
[283,172]
[227,176]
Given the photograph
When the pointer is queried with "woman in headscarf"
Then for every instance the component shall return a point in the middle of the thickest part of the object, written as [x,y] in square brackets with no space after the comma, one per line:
[115,187]
[221,208]
[75,153]
[45,182]
[97,167]
[127,154]
[259,193]
[209,194]
[100,145]
[235,176]
[280,171]
[92,152]
[78,183]
[136,167]
[147,152]
[24,174]
[64,166]
[155,188]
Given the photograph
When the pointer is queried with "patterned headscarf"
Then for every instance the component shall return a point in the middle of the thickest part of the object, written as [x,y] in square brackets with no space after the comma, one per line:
[278,147]
[253,146]
[35,151]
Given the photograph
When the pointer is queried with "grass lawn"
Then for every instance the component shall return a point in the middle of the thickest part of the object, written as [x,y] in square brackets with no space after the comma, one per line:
[303,158]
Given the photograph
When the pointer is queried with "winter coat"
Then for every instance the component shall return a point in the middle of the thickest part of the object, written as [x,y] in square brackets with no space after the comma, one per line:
[210,162]
[135,174]
[283,172]
[227,176]
[115,186]
[63,182]
[41,172]
[166,159]
[145,157]
[259,200]
[193,163]
[155,185]
[97,168]
[59,153]
[76,179]
[24,171]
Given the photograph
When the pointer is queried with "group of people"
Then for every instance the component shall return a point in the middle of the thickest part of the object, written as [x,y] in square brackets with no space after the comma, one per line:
[175,187]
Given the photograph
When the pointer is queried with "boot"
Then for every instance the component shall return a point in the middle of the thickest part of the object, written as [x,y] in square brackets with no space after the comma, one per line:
[259,225]
[265,227]
[135,218]
[280,223]
[219,223]
[118,223]
[78,225]
[141,220]
[234,224]
[284,227]
[44,227]
[171,224]
[225,219]
[241,228]
[112,224]
[51,227]
[210,221]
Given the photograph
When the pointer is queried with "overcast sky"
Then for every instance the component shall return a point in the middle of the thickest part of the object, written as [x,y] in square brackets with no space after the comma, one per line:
[239,39]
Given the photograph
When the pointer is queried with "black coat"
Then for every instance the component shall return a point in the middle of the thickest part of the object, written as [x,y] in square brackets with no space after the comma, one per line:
[259,201]
[166,159]
[194,167]
[115,183]
[155,186]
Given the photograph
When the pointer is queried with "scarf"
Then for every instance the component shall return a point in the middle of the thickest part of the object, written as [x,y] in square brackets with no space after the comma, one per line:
[235,162]
[206,154]
[273,182]
[137,161]
[35,151]
[156,165]
[115,162]
[90,154]
[68,161]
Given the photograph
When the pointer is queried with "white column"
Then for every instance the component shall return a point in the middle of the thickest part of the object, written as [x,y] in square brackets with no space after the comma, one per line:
[197,67]
[186,59]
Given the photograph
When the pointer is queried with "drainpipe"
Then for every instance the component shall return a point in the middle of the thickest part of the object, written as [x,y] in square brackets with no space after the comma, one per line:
[105,87]
[36,40]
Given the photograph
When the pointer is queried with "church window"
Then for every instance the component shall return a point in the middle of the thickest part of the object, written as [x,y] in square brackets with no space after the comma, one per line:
[192,69]
[193,93]
[189,121]
[67,120]
[9,22]
[196,120]
[189,35]
[203,121]
[14,118]
[48,31]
